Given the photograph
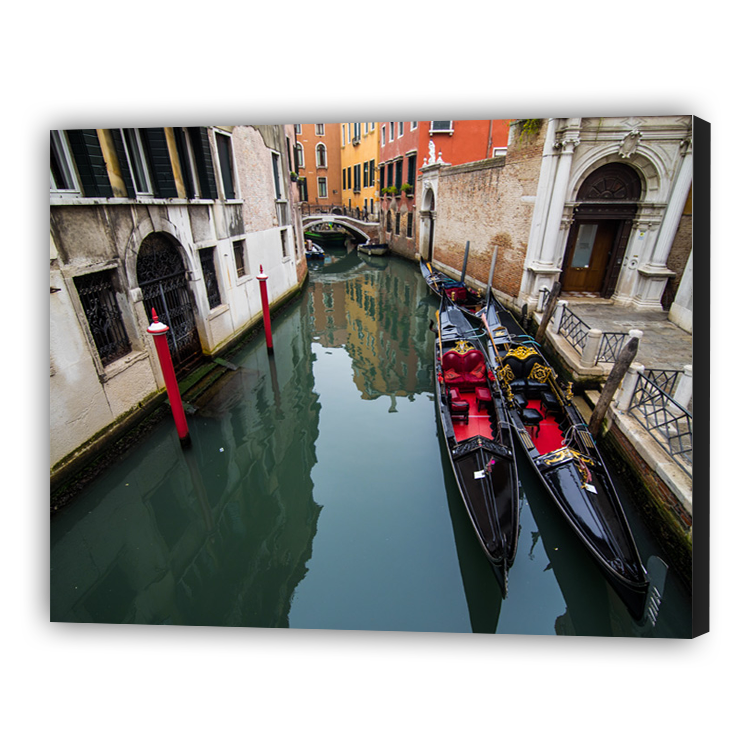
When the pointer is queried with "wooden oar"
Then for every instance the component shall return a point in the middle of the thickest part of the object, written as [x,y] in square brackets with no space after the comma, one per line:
[440,338]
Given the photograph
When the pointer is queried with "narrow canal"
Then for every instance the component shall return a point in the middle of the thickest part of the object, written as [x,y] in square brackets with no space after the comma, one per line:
[317,494]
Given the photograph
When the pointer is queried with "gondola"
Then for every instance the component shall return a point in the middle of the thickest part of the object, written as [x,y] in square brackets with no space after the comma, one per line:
[457,291]
[478,436]
[561,449]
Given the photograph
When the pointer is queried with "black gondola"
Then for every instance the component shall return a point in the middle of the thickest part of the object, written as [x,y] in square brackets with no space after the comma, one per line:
[457,291]
[479,437]
[563,452]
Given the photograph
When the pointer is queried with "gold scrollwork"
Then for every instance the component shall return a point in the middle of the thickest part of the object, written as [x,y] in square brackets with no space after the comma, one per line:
[540,373]
[462,347]
[505,374]
[522,352]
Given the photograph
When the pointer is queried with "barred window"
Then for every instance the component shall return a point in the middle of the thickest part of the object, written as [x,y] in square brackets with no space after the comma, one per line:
[97,294]
[239,257]
[398,222]
[410,224]
[209,276]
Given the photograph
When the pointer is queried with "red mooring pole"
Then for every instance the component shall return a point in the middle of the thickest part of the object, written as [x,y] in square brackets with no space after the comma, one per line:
[262,277]
[158,331]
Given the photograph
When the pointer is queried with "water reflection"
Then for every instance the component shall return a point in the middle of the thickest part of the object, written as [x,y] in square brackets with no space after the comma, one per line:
[318,494]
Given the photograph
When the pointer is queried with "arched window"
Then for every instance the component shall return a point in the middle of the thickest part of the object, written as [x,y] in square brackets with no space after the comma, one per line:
[321,156]
[300,155]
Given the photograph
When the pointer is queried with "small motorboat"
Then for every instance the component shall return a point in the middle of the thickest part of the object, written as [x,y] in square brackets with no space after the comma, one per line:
[479,437]
[561,449]
[456,291]
[372,248]
[314,251]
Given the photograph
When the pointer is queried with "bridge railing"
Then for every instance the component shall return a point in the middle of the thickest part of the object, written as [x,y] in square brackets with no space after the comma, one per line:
[320,209]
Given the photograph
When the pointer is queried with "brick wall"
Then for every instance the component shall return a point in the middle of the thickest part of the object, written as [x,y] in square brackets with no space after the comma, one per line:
[489,203]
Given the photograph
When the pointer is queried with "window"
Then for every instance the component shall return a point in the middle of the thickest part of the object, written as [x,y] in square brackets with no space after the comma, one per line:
[343,135]
[382,177]
[97,294]
[298,129]
[400,129]
[284,251]
[414,124]
[137,162]
[388,221]
[366,174]
[372,173]
[299,156]
[390,174]
[343,179]
[61,173]
[322,187]
[239,257]
[410,224]
[357,178]
[411,170]
[398,222]
[320,128]
[441,126]
[276,161]
[399,174]
[382,134]
[321,156]
[357,133]
[500,151]
[224,147]
[209,276]
[349,177]
[196,162]
[392,130]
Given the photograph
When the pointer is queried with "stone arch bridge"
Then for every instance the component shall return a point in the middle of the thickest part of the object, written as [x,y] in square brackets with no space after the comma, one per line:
[362,230]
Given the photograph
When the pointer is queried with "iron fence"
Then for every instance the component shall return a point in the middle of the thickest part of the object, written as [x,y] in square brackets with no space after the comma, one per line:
[575,331]
[665,379]
[666,421]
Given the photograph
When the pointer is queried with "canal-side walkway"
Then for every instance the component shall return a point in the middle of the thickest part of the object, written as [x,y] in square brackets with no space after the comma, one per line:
[663,346]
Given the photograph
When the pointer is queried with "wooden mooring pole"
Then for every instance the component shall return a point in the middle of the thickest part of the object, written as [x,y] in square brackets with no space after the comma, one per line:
[548,310]
[466,258]
[623,362]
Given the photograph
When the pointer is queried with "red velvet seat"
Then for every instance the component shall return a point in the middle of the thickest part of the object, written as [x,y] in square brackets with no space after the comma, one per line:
[464,371]
[458,407]
[484,397]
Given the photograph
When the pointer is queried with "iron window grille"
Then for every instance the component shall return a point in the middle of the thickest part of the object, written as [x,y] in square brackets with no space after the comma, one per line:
[239,257]
[97,294]
[410,224]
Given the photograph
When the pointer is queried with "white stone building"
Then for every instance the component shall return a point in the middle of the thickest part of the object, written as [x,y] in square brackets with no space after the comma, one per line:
[175,219]
[612,197]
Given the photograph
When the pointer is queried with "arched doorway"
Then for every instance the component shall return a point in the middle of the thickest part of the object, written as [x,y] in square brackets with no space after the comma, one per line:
[163,283]
[607,202]
[427,227]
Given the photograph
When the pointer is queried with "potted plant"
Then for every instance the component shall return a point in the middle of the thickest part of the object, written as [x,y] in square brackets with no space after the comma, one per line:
[406,188]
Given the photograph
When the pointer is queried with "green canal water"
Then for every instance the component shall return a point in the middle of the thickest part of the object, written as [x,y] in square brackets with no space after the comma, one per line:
[317,494]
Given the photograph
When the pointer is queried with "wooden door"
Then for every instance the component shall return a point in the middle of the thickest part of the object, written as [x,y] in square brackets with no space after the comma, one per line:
[587,259]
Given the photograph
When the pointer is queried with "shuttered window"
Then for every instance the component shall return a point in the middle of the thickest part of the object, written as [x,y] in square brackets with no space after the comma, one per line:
[89,161]
[203,162]
[226,164]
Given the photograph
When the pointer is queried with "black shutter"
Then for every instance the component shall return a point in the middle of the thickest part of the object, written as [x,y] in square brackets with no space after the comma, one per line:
[122,158]
[89,160]
[155,142]
[205,164]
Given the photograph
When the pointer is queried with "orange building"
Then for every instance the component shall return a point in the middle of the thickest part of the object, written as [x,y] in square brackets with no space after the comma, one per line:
[463,141]
[318,163]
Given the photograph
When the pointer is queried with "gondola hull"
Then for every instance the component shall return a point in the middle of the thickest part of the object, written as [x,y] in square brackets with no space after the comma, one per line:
[556,440]
[480,446]
[456,291]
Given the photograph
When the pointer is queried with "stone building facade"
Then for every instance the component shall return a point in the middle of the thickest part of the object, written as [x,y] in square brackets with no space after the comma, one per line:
[178,220]
[601,204]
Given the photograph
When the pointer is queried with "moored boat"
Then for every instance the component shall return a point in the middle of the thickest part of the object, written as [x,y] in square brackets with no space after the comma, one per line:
[457,291]
[564,454]
[314,250]
[372,248]
[479,437]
